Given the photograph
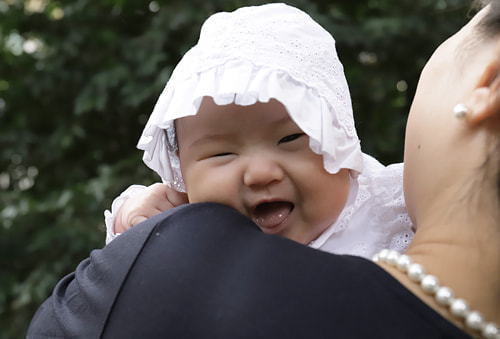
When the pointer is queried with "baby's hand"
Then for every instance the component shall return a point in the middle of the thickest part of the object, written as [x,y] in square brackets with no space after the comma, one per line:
[147,203]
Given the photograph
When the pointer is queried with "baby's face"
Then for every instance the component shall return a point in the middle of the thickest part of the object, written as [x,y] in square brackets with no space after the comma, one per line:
[258,161]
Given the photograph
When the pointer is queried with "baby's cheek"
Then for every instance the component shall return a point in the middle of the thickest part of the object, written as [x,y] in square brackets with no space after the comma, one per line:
[219,185]
[196,185]
[333,195]
[207,192]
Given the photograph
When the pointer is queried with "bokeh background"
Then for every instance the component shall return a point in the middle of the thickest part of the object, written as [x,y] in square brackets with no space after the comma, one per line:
[79,78]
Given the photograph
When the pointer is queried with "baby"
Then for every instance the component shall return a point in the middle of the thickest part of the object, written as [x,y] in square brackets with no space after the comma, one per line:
[258,116]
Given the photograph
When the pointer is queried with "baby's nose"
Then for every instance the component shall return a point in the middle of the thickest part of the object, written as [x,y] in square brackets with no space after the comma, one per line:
[262,170]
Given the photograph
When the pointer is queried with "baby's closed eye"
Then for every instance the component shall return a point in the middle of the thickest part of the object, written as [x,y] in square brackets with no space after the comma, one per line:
[214,153]
[220,154]
[290,138]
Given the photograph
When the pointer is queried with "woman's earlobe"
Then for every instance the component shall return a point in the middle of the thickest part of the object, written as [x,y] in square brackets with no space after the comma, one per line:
[484,102]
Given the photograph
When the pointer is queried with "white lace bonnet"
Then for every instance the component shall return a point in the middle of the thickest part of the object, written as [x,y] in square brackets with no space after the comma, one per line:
[255,54]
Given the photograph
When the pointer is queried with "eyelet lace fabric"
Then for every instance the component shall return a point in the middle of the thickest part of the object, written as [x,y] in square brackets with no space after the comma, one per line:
[255,54]
[374,217]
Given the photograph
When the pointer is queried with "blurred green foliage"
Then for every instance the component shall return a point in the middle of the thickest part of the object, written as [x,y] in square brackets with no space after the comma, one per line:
[78,79]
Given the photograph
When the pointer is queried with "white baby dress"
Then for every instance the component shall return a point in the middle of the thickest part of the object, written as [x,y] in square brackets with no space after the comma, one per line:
[276,51]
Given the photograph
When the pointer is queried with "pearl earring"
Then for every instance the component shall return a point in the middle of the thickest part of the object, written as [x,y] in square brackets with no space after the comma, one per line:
[460,111]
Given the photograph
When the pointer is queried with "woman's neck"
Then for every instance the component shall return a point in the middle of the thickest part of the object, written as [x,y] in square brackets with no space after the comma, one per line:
[462,249]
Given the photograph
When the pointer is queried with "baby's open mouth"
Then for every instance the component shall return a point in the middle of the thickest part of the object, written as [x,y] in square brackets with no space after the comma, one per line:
[272,214]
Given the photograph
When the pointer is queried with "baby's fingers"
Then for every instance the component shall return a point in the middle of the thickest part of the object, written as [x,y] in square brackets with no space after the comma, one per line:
[147,203]
[139,215]
[166,197]
[137,219]
[176,198]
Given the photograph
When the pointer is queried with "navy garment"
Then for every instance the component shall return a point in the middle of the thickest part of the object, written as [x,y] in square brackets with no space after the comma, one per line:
[206,271]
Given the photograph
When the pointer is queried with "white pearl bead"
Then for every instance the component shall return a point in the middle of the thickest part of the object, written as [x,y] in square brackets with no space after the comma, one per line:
[430,284]
[403,263]
[392,258]
[459,308]
[460,111]
[383,254]
[444,296]
[416,272]
[475,320]
[491,331]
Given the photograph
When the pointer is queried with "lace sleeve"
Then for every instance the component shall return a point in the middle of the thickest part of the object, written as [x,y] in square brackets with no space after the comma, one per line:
[374,217]
[391,208]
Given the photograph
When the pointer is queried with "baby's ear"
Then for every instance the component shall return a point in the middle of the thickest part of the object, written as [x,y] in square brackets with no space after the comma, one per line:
[484,103]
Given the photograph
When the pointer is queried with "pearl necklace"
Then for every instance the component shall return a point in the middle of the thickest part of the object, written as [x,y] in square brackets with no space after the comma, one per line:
[443,295]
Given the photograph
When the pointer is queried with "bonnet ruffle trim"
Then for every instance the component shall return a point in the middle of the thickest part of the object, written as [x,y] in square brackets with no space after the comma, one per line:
[244,83]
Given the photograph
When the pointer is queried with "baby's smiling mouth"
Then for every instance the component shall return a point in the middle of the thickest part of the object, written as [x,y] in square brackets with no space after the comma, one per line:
[269,215]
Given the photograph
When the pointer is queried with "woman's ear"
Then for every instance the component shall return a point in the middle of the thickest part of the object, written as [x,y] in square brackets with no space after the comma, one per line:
[484,103]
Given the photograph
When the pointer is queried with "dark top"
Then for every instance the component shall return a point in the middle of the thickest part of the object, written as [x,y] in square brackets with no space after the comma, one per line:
[205,271]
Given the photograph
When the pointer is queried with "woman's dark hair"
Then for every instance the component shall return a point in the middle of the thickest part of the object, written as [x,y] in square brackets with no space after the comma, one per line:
[490,25]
